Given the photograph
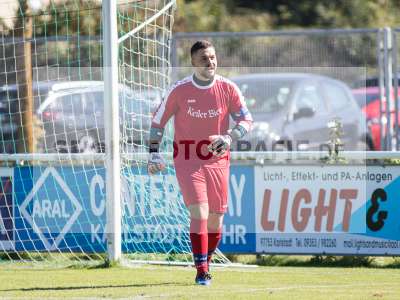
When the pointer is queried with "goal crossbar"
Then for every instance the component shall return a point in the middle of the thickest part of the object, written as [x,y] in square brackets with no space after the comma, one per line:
[149,20]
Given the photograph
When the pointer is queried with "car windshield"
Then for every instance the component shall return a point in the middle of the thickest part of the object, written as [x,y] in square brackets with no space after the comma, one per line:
[130,103]
[142,103]
[135,106]
[266,95]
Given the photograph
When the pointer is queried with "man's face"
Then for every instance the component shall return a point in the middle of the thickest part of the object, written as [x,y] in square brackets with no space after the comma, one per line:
[204,62]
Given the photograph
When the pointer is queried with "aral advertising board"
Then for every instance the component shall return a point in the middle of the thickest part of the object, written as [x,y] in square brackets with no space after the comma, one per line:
[6,210]
[330,209]
[58,208]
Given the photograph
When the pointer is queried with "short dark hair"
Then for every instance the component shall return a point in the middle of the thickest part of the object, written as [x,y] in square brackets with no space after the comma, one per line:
[202,44]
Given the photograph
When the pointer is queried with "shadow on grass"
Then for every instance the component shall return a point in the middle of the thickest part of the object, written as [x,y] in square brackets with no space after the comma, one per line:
[70,288]
[94,265]
[318,261]
[394,265]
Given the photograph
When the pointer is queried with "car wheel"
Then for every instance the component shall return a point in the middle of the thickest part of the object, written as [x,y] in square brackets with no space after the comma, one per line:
[61,147]
[87,144]
[101,147]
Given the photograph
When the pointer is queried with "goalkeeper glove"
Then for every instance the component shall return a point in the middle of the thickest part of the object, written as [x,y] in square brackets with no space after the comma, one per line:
[156,163]
[219,144]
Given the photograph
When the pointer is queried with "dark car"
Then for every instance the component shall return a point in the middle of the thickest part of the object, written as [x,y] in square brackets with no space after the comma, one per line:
[71,114]
[371,81]
[12,114]
[9,124]
[291,111]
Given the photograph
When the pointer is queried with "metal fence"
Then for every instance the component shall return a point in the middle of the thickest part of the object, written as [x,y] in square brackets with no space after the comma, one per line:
[395,71]
[359,57]
[362,58]
[60,57]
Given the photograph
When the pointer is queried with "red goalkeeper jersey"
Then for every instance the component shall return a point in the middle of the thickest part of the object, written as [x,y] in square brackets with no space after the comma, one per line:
[199,112]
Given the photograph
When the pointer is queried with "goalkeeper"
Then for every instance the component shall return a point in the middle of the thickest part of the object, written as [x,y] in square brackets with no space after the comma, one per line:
[201,105]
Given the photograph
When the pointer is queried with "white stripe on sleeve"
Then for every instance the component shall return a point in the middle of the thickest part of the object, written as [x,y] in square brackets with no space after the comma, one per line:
[161,110]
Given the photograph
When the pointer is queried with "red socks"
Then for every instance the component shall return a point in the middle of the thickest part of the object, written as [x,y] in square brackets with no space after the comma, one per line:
[199,239]
[213,241]
[203,243]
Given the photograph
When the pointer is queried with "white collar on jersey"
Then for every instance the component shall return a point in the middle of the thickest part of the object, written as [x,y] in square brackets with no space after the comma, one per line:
[203,87]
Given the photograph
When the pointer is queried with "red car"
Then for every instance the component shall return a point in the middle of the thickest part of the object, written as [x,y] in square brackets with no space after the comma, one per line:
[368,98]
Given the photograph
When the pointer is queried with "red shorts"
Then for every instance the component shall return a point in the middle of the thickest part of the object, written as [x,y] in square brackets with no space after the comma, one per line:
[202,184]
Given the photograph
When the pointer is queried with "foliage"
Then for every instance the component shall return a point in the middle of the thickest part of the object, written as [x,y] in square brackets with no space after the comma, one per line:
[66,35]
[234,15]
[242,15]
[342,261]
[215,15]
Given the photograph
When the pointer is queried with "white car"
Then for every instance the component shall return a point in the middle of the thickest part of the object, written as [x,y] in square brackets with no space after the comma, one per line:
[72,115]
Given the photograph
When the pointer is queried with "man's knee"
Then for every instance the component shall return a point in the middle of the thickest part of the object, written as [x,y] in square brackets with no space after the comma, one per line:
[198,211]
[215,221]
[198,218]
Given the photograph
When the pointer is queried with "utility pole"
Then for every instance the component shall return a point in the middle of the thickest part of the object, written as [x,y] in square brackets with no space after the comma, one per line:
[28,107]
[24,80]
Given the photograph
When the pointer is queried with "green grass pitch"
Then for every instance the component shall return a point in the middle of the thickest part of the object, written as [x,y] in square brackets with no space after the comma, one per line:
[160,282]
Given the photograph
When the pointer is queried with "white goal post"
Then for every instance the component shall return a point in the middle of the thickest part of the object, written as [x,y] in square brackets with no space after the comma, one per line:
[111,115]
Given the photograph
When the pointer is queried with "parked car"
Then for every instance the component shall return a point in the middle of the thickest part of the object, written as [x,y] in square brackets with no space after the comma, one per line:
[11,115]
[9,125]
[291,111]
[371,81]
[72,115]
[368,98]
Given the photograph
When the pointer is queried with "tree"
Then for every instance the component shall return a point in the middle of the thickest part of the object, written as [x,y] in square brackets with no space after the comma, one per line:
[243,15]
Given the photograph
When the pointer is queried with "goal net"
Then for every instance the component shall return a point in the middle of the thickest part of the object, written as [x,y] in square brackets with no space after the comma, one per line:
[52,148]
[155,221]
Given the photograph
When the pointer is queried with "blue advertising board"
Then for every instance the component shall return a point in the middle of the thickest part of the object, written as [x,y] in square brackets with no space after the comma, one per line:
[6,209]
[239,223]
[63,208]
[53,208]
